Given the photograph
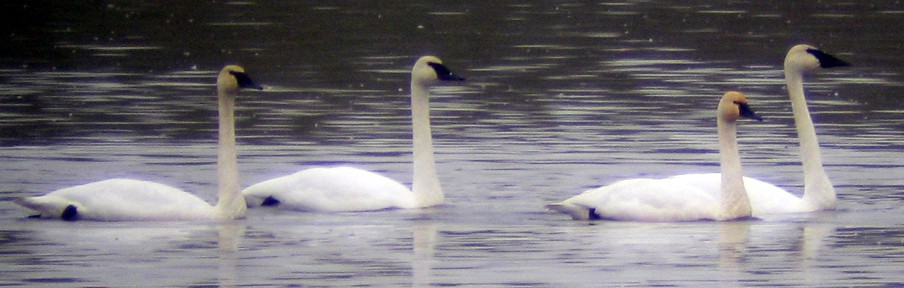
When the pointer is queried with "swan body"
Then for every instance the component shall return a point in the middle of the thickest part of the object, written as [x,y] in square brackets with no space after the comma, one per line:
[329,189]
[765,198]
[138,200]
[676,198]
[120,200]
[819,194]
[352,189]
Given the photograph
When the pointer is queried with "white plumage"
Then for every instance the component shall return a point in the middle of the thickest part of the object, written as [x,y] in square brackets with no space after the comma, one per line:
[138,200]
[353,189]
[818,194]
[333,189]
[691,197]
[120,200]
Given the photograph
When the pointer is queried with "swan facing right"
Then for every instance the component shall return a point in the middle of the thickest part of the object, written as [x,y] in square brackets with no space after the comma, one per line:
[672,199]
[326,189]
[138,200]
[765,198]
[818,194]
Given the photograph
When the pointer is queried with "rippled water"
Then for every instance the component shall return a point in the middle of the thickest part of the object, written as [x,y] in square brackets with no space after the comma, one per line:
[561,97]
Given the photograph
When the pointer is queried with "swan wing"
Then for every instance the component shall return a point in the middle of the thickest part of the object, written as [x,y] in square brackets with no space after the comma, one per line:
[120,200]
[649,200]
[332,189]
[765,198]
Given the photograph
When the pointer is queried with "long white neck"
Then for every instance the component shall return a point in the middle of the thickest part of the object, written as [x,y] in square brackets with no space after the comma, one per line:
[231,203]
[425,183]
[735,203]
[818,191]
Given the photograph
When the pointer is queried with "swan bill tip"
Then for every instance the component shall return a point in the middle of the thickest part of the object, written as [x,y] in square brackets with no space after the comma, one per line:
[746,112]
[443,73]
[244,81]
[827,60]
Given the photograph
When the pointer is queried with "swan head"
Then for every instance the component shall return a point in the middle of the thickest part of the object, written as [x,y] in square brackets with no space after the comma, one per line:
[233,77]
[733,106]
[429,70]
[804,58]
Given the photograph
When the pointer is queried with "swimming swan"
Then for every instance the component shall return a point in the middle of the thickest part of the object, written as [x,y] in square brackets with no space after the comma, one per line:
[352,189]
[138,200]
[667,199]
[767,199]
[819,194]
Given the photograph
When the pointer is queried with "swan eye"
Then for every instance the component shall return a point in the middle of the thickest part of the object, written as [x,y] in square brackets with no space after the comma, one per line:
[444,73]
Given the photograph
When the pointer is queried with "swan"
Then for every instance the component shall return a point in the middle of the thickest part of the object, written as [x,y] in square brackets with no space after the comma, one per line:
[668,199]
[819,194]
[137,200]
[332,189]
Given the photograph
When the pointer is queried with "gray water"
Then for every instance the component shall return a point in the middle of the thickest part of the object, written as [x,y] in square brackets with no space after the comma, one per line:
[561,97]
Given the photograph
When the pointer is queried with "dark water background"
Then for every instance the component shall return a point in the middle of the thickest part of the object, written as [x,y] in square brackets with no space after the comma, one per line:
[562,96]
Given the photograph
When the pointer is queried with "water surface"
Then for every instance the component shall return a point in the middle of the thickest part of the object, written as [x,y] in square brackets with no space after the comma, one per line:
[562,97]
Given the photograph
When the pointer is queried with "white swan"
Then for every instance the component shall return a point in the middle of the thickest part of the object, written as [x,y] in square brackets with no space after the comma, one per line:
[819,194]
[768,199]
[669,199]
[352,189]
[137,200]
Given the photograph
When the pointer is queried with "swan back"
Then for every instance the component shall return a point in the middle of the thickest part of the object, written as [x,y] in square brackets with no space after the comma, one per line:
[120,200]
[332,189]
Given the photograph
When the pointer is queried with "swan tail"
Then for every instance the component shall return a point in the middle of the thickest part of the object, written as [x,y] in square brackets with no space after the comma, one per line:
[576,212]
[50,207]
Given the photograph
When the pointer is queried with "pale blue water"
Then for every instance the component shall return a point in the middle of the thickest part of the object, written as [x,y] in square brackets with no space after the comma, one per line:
[561,97]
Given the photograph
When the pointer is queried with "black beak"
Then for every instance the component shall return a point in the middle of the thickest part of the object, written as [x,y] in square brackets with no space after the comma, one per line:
[826,60]
[444,73]
[746,112]
[245,81]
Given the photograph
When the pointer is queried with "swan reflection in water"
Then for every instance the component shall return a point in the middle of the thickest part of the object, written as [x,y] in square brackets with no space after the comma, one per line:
[229,240]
